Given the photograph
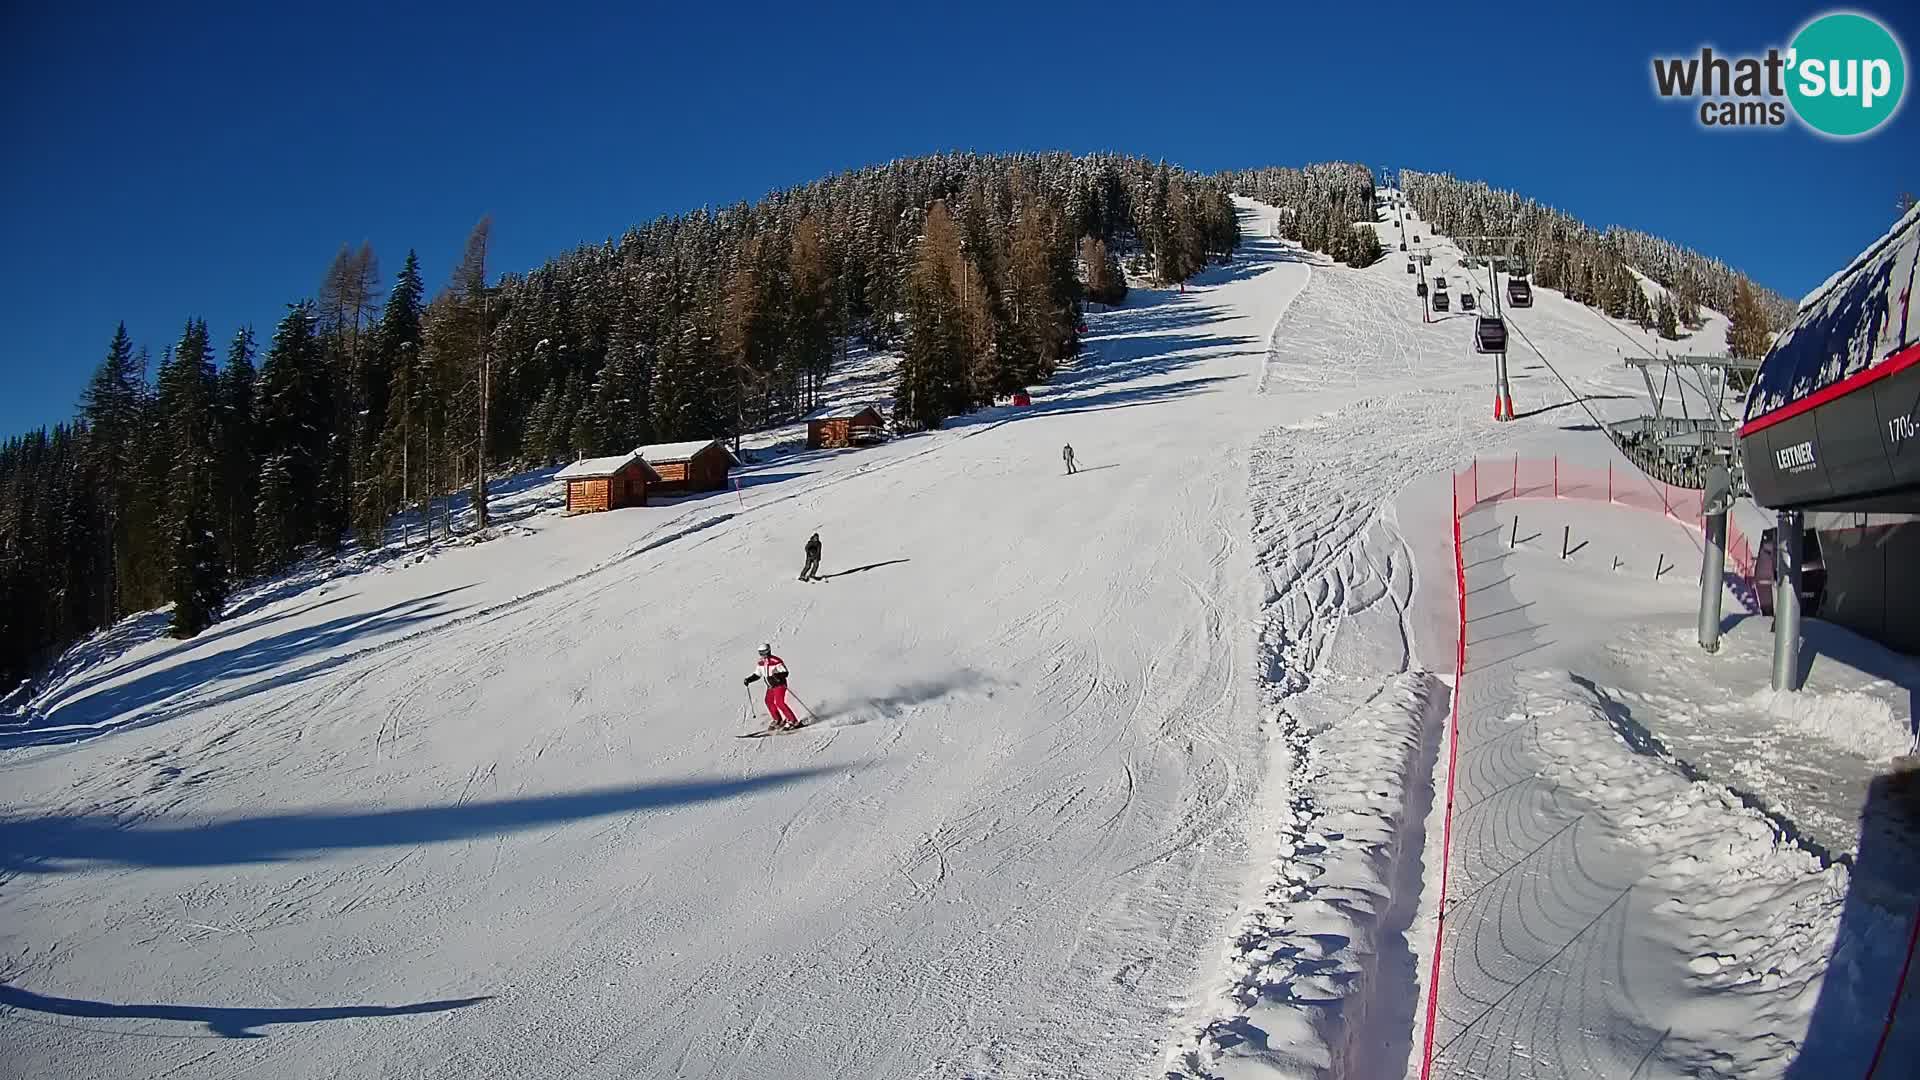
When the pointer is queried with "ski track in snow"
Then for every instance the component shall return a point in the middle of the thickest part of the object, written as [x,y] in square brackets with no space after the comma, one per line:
[1129,773]
[1356,719]
[511,772]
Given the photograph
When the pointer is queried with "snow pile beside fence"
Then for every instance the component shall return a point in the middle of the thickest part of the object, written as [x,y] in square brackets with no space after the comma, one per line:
[1305,964]
[1855,722]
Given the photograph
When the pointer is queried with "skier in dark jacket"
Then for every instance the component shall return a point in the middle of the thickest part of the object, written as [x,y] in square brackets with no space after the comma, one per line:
[1066,455]
[811,571]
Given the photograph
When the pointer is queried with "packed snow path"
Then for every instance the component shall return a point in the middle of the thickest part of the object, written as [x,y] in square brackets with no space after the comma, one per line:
[1369,403]
[510,774]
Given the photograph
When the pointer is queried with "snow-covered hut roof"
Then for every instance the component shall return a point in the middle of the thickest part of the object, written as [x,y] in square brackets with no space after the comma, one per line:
[830,412]
[673,451]
[594,468]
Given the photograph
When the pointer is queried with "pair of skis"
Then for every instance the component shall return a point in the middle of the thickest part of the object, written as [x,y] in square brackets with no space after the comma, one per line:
[812,719]
[766,731]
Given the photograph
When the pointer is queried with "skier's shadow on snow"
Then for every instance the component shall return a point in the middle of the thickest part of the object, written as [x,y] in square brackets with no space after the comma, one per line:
[860,569]
[62,843]
[225,1023]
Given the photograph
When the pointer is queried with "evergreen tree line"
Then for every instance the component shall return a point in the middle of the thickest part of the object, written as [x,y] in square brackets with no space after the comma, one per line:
[1323,207]
[1590,265]
[371,400]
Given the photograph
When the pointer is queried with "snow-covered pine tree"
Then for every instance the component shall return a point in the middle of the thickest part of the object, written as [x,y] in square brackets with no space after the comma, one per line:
[1667,318]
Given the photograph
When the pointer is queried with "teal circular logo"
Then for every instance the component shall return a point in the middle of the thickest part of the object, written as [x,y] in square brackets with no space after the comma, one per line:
[1846,74]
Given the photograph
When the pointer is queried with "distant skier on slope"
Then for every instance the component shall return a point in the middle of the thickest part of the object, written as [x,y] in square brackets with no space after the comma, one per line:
[811,571]
[774,670]
[1066,455]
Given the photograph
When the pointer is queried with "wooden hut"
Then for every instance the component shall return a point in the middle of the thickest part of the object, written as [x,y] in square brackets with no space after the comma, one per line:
[675,468]
[607,483]
[832,428]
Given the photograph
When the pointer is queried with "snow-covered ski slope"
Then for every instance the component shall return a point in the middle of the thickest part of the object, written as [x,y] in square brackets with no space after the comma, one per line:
[510,772]
[1121,774]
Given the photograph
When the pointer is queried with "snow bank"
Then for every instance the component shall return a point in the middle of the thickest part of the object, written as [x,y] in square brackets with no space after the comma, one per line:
[1304,964]
[1853,721]
[1756,915]
[1809,758]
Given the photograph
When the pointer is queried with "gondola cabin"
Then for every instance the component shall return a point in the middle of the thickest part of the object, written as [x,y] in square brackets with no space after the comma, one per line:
[1519,292]
[607,483]
[1489,335]
[679,468]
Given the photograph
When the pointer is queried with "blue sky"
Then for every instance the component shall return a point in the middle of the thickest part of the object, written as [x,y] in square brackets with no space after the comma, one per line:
[164,164]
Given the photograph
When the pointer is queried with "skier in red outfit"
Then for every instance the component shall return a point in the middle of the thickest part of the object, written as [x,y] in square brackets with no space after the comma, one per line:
[774,670]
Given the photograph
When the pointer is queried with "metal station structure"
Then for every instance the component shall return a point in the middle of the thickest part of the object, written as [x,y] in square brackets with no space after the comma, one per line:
[1830,440]
[1680,442]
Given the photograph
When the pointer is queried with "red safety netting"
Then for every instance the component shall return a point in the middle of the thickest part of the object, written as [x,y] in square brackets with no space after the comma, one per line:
[1493,479]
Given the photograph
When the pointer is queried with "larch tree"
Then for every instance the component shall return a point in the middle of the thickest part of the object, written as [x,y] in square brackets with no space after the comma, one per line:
[813,321]
[932,379]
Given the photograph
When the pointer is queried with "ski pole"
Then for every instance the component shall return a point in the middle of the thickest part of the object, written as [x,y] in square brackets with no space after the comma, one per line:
[802,704]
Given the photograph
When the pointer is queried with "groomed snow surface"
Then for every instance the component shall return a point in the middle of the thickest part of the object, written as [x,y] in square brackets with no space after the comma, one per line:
[1130,773]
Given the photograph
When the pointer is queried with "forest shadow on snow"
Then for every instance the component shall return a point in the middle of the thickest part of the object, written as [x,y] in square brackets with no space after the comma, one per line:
[221,1022]
[64,843]
[161,693]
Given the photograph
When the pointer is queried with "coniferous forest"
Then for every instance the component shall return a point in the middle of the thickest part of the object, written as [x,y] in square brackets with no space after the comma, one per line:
[227,460]
[1590,265]
[184,475]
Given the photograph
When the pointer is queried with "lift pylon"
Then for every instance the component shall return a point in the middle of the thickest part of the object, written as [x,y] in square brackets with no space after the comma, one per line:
[1506,245]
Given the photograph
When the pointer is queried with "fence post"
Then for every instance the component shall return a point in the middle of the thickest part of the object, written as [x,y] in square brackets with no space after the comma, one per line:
[1609,483]
[1516,476]
[1556,476]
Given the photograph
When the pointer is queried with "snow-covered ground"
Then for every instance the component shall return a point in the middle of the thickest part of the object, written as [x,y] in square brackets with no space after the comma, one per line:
[1129,773]
[1650,867]
[509,772]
